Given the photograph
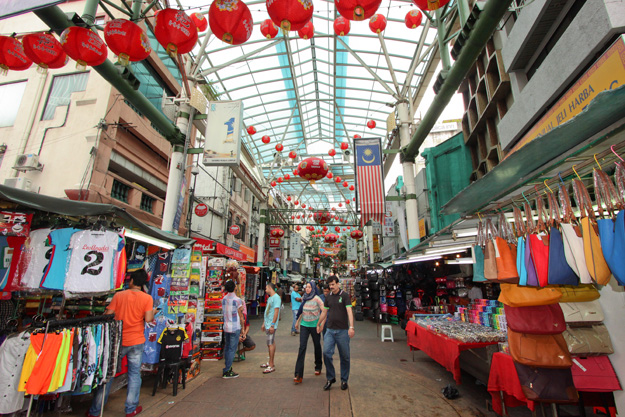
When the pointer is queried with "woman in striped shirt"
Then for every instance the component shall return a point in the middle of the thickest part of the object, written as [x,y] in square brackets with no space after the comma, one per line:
[308,317]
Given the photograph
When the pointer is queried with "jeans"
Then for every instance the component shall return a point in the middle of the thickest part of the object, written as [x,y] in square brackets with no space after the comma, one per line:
[231,343]
[339,338]
[294,321]
[303,342]
[134,354]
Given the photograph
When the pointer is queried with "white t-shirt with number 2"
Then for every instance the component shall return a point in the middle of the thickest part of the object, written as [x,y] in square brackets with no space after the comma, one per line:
[91,263]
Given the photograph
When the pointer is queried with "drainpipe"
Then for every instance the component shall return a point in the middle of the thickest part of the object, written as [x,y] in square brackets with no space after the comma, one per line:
[408,166]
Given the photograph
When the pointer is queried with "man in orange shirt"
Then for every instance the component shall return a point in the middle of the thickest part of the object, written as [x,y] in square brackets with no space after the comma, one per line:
[134,308]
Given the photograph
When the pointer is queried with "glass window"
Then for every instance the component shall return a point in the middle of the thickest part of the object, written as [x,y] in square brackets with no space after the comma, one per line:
[61,92]
[10,98]
[152,85]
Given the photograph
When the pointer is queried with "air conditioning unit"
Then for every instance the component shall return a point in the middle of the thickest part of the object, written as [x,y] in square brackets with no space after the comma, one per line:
[20,183]
[27,162]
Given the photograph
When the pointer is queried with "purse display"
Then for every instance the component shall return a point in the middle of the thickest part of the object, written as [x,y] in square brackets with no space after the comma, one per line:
[490,254]
[577,293]
[559,271]
[506,253]
[572,239]
[586,312]
[539,246]
[478,255]
[611,229]
[516,296]
[544,384]
[588,341]
[547,319]
[539,350]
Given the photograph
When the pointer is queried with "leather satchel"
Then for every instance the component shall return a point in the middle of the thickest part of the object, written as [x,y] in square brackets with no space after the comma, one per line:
[516,296]
[539,350]
[577,293]
[544,384]
[588,341]
[547,319]
[586,312]
[490,253]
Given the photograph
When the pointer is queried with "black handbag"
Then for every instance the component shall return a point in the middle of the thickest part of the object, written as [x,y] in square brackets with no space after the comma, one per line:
[546,384]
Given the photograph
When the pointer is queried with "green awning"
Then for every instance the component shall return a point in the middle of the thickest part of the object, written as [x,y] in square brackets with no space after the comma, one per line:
[604,111]
[64,207]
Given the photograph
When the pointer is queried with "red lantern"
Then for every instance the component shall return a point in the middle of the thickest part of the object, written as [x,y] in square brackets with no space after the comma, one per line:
[269,29]
[12,56]
[273,183]
[303,206]
[316,259]
[338,229]
[251,130]
[292,155]
[296,172]
[298,216]
[332,152]
[331,238]
[430,4]
[344,145]
[357,136]
[356,234]
[322,217]
[288,198]
[175,31]
[371,124]
[357,9]
[345,184]
[333,208]
[325,228]
[298,228]
[280,180]
[287,177]
[347,202]
[266,139]
[310,216]
[231,21]
[200,21]
[296,202]
[308,31]
[351,188]
[84,46]
[413,19]
[44,50]
[290,14]
[341,26]
[312,169]
[279,147]
[329,175]
[337,179]
[277,233]
[340,204]
[377,23]
[127,40]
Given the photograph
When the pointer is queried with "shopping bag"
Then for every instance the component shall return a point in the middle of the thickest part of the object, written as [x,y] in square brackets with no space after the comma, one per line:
[612,237]
[532,278]
[478,264]
[560,273]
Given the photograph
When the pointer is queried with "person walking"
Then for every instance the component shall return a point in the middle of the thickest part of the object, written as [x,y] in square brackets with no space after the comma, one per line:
[270,324]
[296,302]
[134,308]
[232,307]
[340,328]
[308,317]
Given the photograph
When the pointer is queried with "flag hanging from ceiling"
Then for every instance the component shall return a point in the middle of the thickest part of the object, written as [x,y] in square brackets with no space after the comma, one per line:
[369,180]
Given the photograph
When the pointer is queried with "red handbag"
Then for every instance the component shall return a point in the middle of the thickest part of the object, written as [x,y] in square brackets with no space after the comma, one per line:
[539,244]
[545,319]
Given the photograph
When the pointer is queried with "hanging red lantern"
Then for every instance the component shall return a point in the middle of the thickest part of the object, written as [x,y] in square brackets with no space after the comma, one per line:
[265,139]
[333,208]
[430,4]
[293,217]
[296,172]
[316,259]
[357,136]
[287,177]
[280,179]
[312,169]
[357,9]
[303,206]
[273,183]
[201,23]
[337,228]
[277,233]
[347,202]
[345,184]
[12,56]
[288,198]
[371,124]
[251,130]
[308,31]
[269,29]
[298,216]
[325,228]
[310,216]
[344,145]
[231,21]
[322,217]
[329,175]
[290,14]
[298,228]
[356,234]
[337,179]
[296,202]
[279,147]
[332,152]
[175,31]
[331,238]
[84,46]
[413,19]
[127,40]
[351,188]
[292,155]
[377,23]
[341,26]
[340,204]
[44,50]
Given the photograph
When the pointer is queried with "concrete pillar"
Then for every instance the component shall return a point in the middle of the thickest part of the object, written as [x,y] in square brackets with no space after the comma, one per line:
[370,243]
[261,234]
[412,214]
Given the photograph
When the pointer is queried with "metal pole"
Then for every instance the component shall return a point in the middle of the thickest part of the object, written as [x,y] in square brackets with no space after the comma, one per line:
[370,243]
[442,45]
[261,234]
[408,166]
[463,11]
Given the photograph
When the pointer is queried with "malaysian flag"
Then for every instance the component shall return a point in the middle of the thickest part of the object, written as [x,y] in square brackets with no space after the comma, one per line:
[369,180]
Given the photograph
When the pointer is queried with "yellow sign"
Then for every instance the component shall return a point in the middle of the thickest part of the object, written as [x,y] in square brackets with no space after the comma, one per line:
[376,244]
[421,228]
[607,73]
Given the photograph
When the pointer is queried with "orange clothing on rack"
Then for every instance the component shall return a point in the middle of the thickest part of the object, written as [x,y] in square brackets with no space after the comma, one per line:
[30,359]
[62,361]
[41,376]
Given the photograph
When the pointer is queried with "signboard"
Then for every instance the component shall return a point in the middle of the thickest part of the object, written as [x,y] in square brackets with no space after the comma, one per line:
[421,228]
[352,250]
[249,253]
[10,8]
[389,248]
[607,73]
[274,242]
[376,244]
[329,251]
[223,133]
[209,246]
[389,220]
[295,246]
[183,186]
[234,229]
[377,228]
[201,210]
[13,223]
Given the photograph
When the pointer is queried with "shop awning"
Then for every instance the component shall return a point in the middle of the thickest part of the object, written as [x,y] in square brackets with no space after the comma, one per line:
[212,247]
[45,203]
[604,111]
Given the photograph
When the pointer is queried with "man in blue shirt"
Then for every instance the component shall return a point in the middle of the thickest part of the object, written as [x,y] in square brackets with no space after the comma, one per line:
[270,324]
[296,301]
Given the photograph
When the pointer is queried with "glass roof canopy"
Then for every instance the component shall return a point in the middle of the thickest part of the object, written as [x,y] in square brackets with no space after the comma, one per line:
[311,95]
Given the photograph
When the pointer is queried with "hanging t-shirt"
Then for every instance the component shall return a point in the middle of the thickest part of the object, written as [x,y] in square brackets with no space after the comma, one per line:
[57,270]
[90,266]
[151,348]
[38,254]
[137,256]
[171,342]
[10,252]
[12,353]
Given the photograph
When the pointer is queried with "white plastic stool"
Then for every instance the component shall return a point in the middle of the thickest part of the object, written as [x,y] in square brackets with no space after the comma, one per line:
[390,333]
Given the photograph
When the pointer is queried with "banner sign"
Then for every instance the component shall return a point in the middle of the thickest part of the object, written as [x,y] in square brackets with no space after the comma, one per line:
[13,223]
[389,220]
[369,179]
[376,244]
[295,246]
[352,251]
[329,251]
[223,133]
[274,242]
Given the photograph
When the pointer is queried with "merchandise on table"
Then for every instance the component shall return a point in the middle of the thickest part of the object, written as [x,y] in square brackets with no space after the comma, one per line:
[485,312]
[462,331]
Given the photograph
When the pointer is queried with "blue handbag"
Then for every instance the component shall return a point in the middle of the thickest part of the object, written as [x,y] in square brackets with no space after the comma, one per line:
[559,273]
[520,251]
[611,230]
[478,256]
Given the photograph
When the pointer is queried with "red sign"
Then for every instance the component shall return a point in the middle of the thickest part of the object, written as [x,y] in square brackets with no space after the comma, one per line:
[15,224]
[208,246]
[201,210]
[234,229]
[274,242]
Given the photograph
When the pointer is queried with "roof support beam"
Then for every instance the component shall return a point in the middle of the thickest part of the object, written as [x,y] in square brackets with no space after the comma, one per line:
[243,57]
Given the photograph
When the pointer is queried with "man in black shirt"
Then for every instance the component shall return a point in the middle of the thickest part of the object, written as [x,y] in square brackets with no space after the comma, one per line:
[339,319]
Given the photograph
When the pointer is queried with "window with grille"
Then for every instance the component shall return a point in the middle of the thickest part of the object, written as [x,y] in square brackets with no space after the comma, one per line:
[120,191]
[147,203]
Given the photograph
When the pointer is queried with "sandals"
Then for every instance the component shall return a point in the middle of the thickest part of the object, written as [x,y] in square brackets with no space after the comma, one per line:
[269,370]
[265,365]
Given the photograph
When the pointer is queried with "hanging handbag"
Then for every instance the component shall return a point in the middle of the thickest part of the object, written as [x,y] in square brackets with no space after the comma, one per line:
[572,238]
[490,254]
[520,254]
[547,319]
[612,229]
[544,384]
[539,350]
[505,253]
[595,373]
[516,296]
[588,341]
[577,293]
[532,278]
[560,273]
[478,254]
[586,312]
[539,245]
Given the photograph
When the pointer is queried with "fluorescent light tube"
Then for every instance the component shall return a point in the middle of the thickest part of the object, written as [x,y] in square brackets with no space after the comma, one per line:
[447,249]
[419,258]
[133,234]
[459,261]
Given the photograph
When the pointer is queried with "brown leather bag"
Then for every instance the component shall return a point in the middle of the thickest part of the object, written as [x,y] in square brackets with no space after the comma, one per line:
[542,384]
[490,253]
[546,319]
[517,296]
[539,350]
[588,341]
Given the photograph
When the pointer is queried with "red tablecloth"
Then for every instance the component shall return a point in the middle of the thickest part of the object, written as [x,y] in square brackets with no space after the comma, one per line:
[444,350]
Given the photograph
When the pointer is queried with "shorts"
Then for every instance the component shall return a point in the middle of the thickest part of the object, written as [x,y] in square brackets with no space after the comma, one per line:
[248,342]
[270,337]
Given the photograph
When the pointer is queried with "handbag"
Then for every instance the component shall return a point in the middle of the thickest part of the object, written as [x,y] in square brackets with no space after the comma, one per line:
[505,253]
[577,293]
[560,273]
[516,296]
[539,350]
[572,239]
[612,229]
[595,373]
[532,278]
[520,254]
[490,255]
[544,384]
[547,319]
[588,341]
[582,312]
[478,254]
[539,246]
